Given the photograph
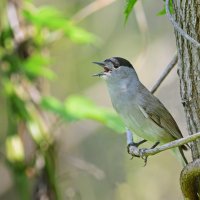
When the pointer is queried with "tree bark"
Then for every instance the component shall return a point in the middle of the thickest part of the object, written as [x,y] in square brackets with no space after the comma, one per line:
[187,15]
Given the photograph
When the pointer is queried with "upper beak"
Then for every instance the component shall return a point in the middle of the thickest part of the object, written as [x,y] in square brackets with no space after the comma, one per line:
[102,64]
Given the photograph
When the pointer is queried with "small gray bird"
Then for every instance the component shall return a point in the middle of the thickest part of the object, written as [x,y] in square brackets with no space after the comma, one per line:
[140,110]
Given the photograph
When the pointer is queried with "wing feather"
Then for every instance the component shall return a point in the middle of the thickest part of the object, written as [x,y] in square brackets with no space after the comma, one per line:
[157,112]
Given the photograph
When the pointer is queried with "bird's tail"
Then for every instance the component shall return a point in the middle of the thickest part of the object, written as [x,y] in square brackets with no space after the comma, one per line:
[178,152]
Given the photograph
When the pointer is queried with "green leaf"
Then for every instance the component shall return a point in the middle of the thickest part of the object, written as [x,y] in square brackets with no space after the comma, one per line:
[129,7]
[78,35]
[45,16]
[163,11]
[36,65]
[6,37]
[49,17]
[15,150]
[83,108]
[53,105]
[14,62]
[80,108]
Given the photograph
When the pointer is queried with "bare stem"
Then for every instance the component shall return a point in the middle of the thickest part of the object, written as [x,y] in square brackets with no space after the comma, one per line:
[178,28]
[90,9]
[135,151]
[166,71]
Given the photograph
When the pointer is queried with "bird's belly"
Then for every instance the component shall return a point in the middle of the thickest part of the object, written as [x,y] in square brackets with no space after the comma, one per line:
[144,127]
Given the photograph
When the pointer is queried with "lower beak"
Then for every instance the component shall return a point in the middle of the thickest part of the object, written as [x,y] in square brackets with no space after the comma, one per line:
[102,64]
[99,74]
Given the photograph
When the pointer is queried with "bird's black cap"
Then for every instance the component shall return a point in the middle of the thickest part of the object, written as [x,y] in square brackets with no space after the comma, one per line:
[118,61]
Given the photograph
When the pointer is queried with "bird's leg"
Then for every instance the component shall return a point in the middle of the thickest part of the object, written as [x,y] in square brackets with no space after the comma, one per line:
[136,144]
[132,144]
[155,145]
[142,151]
[141,155]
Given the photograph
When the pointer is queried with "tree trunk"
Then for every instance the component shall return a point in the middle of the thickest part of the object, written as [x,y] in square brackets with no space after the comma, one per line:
[187,15]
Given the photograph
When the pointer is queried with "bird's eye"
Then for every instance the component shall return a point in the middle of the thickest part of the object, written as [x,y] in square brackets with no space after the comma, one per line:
[116,66]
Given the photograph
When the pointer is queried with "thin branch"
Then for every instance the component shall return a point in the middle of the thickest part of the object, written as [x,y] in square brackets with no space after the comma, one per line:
[90,9]
[167,70]
[177,27]
[135,151]
[141,19]
[14,21]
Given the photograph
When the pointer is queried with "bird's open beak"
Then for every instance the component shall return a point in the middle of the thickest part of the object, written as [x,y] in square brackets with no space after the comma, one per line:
[102,64]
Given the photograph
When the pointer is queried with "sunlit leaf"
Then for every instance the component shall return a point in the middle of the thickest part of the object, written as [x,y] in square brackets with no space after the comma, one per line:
[14,149]
[53,105]
[45,16]
[129,7]
[38,128]
[51,18]
[79,108]
[79,35]
[163,11]
[36,65]
[8,87]
[85,109]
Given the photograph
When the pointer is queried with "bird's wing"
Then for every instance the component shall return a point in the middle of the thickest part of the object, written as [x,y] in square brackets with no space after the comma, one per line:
[163,119]
[151,107]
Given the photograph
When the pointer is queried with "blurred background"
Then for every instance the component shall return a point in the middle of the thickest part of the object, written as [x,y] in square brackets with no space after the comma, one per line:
[92,160]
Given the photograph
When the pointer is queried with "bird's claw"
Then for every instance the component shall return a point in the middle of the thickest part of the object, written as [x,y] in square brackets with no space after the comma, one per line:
[142,155]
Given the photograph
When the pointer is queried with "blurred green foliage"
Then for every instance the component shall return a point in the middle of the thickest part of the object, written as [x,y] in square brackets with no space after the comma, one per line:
[24,62]
[52,19]
[78,107]
[129,7]
[131,3]
[163,11]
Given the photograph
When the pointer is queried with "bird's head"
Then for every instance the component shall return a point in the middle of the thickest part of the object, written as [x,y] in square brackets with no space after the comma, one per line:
[116,69]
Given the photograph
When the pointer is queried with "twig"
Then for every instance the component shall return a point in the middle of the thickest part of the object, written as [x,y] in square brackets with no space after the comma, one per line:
[14,21]
[135,151]
[177,27]
[165,73]
[141,18]
[90,9]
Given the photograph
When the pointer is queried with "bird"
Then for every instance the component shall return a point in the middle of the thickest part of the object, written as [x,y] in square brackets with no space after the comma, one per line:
[141,111]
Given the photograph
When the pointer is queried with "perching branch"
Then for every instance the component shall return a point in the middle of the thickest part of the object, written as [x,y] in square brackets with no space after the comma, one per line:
[90,9]
[135,151]
[166,71]
[177,27]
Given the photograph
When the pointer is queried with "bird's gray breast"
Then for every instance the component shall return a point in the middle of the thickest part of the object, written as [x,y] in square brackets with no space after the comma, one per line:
[127,106]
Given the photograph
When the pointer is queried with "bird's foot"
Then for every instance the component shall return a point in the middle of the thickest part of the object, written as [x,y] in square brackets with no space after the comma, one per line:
[155,145]
[142,153]
[135,145]
[143,156]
